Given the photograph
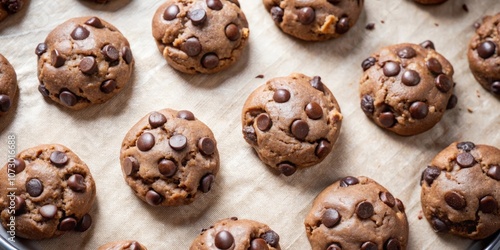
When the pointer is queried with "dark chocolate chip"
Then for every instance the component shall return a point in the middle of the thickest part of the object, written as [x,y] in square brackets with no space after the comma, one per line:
[348,181]
[48,211]
[264,122]
[455,200]
[5,103]
[287,169]
[258,244]
[465,160]
[171,12]
[186,115]
[367,104]
[300,129]
[368,63]
[314,110]
[391,68]
[232,32]
[364,210]
[428,44]
[19,165]
[495,87]
[130,165]
[20,204]
[191,46]
[370,26]
[110,53]
[214,4]
[342,25]
[43,90]
[281,95]
[330,218]
[494,172]
[306,15]
[108,86]
[410,78]
[369,246]
[77,183]
[178,142]
[234,218]
[452,102]
[387,119]
[317,83]
[206,146]
[400,205]
[127,55]
[334,1]
[88,65]
[443,83]
[333,246]
[419,110]
[466,146]
[322,149]
[198,16]
[486,49]
[145,142]
[488,205]
[95,22]
[84,224]
[434,65]
[392,244]
[210,60]
[153,198]
[58,158]
[407,53]
[439,225]
[430,174]
[224,240]
[156,119]
[40,49]
[206,183]
[167,167]
[67,224]
[57,60]
[80,33]
[277,14]
[387,198]
[271,237]
[67,98]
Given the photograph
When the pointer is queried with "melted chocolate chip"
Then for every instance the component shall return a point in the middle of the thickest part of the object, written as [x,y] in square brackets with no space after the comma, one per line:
[387,198]
[224,240]
[317,83]
[342,25]
[214,4]
[494,172]
[19,165]
[57,60]
[20,204]
[495,87]
[287,169]
[80,33]
[400,205]
[314,110]
[407,53]
[5,103]
[88,65]
[67,224]
[300,129]
[145,142]
[439,225]
[95,22]
[393,244]
[110,53]
[430,174]
[264,122]
[466,146]
[455,200]
[465,160]
[43,90]
[368,63]
[127,55]
[410,78]
[58,158]
[178,142]
[271,237]
[333,246]
[330,218]
[369,246]
[306,15]
[192,46]
[77,183]
[197,16]
[167,167]
[67,98]
[130,165]
[322,149]
[391,69]
[452,102]
[348,181]
[281,95]
[486,49]
[277,14]
[488,205]
[153,198]
[171,12]
[156,119]
[434,66]
[108,86]
[40,49]
[364,210]
[367,104]
[206,146]
[428,44]
[258,244]
[206,183]
[186,115]
[418,110]
[48,211]
[210,60]
[387,119]
[84,224]
[232,32]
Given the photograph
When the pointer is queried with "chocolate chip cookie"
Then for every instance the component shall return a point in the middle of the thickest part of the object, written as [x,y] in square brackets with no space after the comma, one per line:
[356,213]
[169,157]
[9,7]
[430,1]
[8,85]
[461,190]
[237,234]
[83,61]
[292,122]
[123,245]
[406,88]
[200,36]
[46,191]
[484,54]
[314,20]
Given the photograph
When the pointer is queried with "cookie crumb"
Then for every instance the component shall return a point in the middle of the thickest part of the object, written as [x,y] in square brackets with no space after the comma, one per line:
[370,26]
[470,110]
[382,21]
[477,94]
[420,216]
[476,25]
[436,24]
[465,8]
[260,76]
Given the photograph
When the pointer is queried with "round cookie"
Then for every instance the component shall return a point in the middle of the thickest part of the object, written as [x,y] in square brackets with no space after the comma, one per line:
[237,234]
[430,1]
[356,213]
[314,20]
[9,7]
[292,122]
[83,61]
[406,88]
[49,190]
[200,36]
[8,85]
[123,245]
[461,190]
[484,54]
[169,157]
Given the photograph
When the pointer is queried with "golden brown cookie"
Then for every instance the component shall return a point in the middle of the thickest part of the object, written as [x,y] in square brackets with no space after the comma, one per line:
[46,190]
[314,20]
[200,36]
[123,245]
[406,88]
[8,85]
[461,190]
[169,157]
[292,122]
[9,7]
[83,61]
[430,1]
[484,54]
[356,213]
[237,234]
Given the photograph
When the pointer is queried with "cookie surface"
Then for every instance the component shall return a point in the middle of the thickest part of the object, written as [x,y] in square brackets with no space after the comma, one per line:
[292,122]
[430,1]
[8,85]
[461,190]
[83,61]
[484,54]
[9,7]
[123,245]
[356,213]
[314,20]
[169,157]
[54,191]
[200,36]
[406,88]
[237,234]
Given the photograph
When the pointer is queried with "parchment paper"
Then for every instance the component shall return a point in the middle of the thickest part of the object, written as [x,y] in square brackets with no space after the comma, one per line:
[245,187]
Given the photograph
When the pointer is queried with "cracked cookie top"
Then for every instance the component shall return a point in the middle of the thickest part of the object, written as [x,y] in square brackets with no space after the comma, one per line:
[8,85]
[292,122]
[169,157]
[49,190]
[461,190]
[406,88]
[200,36]
[356,213]
[83,61]
[123,245]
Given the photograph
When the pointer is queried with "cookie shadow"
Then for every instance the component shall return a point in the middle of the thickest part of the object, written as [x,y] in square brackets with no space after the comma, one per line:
[7,118]
[112,6]
[15,19]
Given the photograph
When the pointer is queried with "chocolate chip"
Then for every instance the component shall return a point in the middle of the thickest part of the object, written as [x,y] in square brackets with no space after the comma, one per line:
[317,83]
[322,149]
[455,200]
[234,218]
[206,183]
[271,237]
[135,246]
[287,169]
[171,12]
[466,146]
[67,224]
[127,55]
[334,1]
[198,16]
[191,46]
[223,240]
[156,119]
[465,160]
[439,225]
[452,102]
[486,49]
[369,246]
[210,60]
[393,244]
[407,53]
[495,87]
[430,174]
[84,224]
[258,244]
[488,205]
[306,15]
[145,142]
[167,167]
[48,211]
[367,104]
[364,210]
[443,83]
[387,198]
[391,68]
[214,4]
[232,32]
[368,63]
[419,110]
[434,65]
[400,205]
[110,53]
[58,158]
[12,6]
[330,218]
[410,78]
[130,165]
[277,14]
[20,204]
[80,33]
[314,110]
[43,90]
[186,115]
[153,198]
[67,98]
[95,22]
[300,129]
[178,142]
[88,65]
[494,172]
[19,165]
[281,95]
[370,26]
[387,119]
[333,246]
[348,181]
[249,134]
[108,86]
[57,60]
[264,122]
[40,49]
[342,25]
[77,183]
[5,103]
[428,44]
[206,146]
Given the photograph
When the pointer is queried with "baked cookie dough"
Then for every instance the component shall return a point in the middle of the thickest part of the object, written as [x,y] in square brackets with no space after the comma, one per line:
[200,36]
[314,20]
[406,88]
[123,245]
[83,61]
[48,191]
[9,7]
[484,54]
[237,234]
[430,1]
[292,122]
[356,213]
[8,85]
[169,157]
[461,190]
